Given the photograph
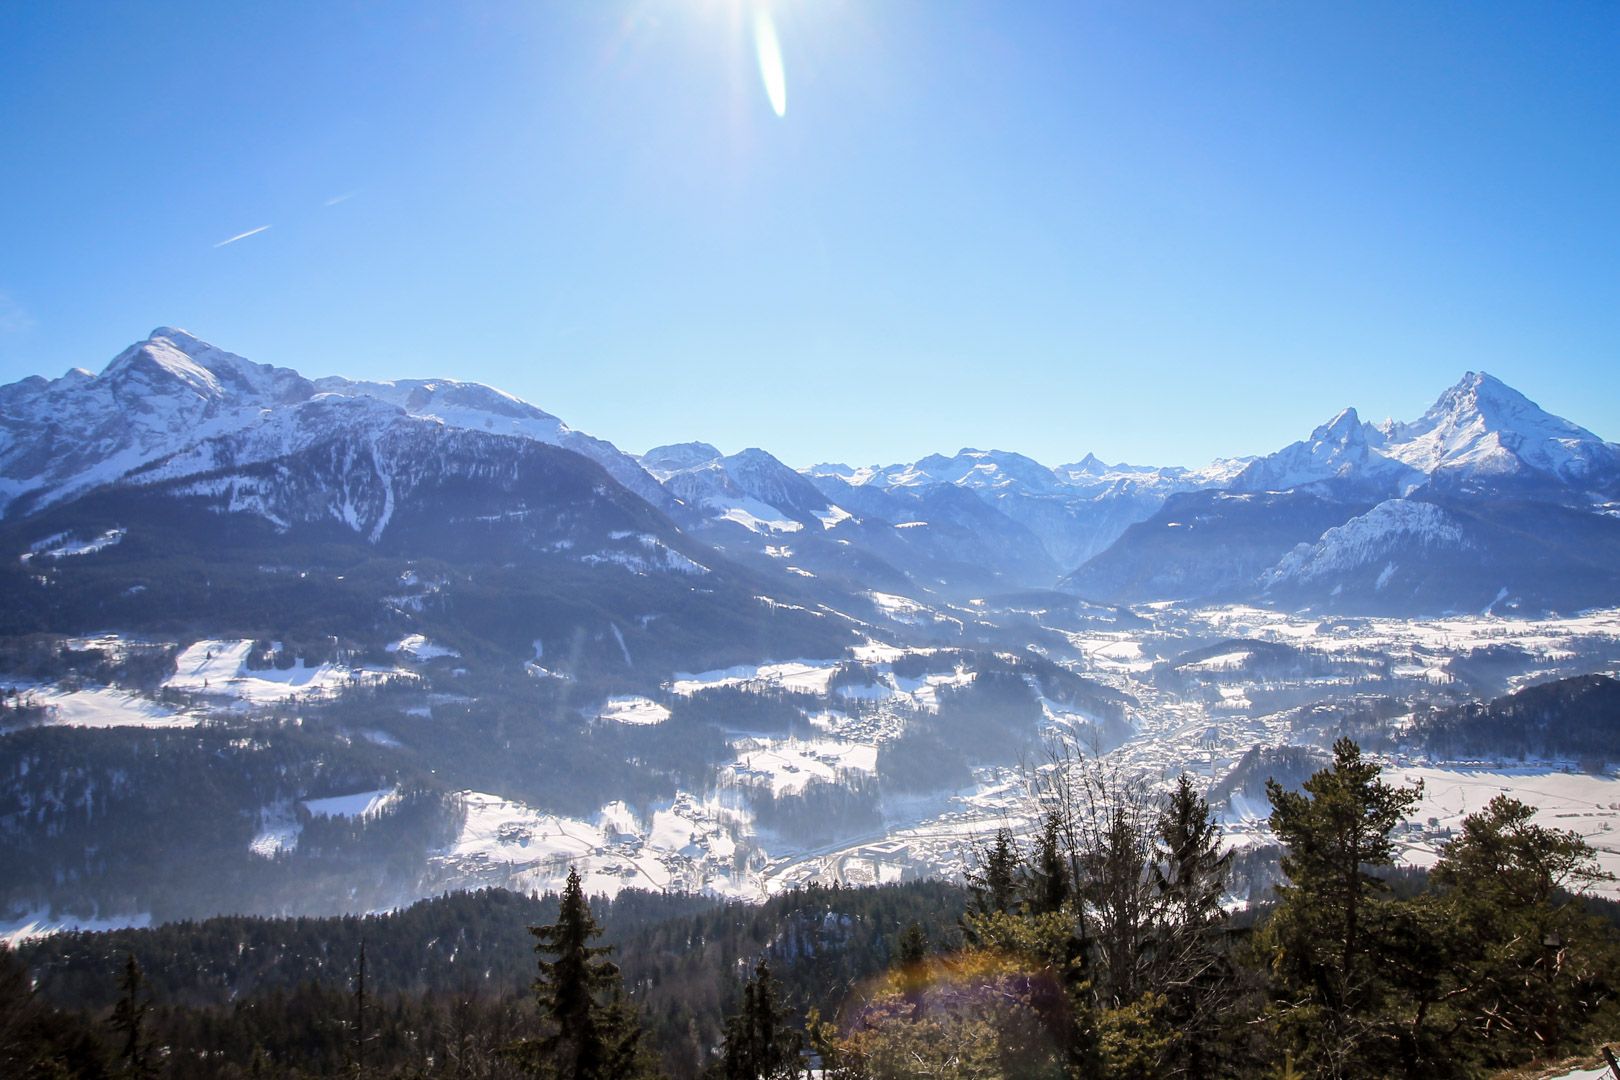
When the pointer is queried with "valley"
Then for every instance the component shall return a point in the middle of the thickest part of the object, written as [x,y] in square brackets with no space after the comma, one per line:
[289,645]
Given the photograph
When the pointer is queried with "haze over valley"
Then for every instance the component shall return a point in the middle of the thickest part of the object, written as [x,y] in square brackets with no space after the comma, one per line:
[289,644]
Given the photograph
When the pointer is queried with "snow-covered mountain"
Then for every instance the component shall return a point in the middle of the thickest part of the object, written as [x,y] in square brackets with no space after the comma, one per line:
[1283,528]
[1344,455]
[1075,510]
[750,489]
[1480,432]
[1484,431]
[166,394]
[1485,487]
[66,435]
[914,539]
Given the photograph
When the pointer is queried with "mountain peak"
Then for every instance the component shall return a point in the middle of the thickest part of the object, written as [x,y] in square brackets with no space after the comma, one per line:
[1483,426]
[1345,428]
[663,460]
[175,335]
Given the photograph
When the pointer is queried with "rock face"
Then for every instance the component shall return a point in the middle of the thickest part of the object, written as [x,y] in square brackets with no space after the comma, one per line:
[1356,515]
[171,392]
[1485,500]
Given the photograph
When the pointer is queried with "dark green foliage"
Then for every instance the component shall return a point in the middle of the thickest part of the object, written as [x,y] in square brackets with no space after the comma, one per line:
[160,821]
[589,1033]
[1048,891]
[820,812]
[920,760]
[736,708]
[913,946]
[128,1022]
[1571,718]
[994,878]
[446,978]
[761,1043]
[1330,967]
[994,718]
[1289,766]
[1191,960]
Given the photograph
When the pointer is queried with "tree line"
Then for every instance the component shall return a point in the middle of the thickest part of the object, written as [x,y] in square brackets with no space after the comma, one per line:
[1103,946]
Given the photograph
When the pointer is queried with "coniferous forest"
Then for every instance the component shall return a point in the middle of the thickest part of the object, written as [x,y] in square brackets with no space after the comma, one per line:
[1105,945]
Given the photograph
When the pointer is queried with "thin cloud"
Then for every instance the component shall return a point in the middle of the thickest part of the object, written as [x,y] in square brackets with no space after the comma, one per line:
[345,197]
[242,236]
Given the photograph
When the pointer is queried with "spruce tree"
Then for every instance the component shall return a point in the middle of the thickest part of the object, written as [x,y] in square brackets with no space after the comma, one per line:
[1190,874]
[361,1005]
[1051,887]
[591,1031]
[913,946]
[129,1021]
[1192,967]
[760,1045]
[995,881]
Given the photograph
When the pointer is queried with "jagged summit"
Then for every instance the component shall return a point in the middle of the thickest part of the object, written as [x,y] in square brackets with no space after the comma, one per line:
[171,391]
[1483,427]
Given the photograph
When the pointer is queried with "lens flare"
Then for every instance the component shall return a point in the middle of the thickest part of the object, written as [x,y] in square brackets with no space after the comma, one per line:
[769,51]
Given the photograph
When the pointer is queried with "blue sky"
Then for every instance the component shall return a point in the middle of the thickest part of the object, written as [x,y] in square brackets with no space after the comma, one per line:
[1158,232]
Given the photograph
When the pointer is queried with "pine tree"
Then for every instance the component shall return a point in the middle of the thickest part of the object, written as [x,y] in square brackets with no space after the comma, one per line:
[129,1020]
[1050,889]
[1191,966]
[760,1045]
[1190,874]
[1324,933]
[1534,956]
[592,1032]
[361,1004]
[913,946]
[995,881]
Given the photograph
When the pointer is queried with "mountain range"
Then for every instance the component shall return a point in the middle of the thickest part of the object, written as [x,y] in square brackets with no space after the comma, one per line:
[1485,501]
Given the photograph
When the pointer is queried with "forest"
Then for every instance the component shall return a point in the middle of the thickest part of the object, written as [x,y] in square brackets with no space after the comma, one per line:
[1106,945]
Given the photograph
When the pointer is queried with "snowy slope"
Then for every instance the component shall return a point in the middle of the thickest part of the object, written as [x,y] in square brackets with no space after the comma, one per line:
[476,407]
[1389,530]
[64,436]
[751,489]
[1342,453]
[161,398]
[1482,428]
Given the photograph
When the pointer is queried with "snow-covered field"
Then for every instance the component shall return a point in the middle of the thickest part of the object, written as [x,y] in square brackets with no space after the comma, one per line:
[637,711]
[787,766]
[218,668]
[418,647]
[106,707]
[807,676]
[687,844]
[362,804]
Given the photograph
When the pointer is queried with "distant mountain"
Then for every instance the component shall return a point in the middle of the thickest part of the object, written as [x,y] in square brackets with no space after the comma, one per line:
[1485,502]
[218,495]
[1073,511]
[62,437]
[915,540]
[1486,434]
[1404,516]
[1207,546]
[1344,456]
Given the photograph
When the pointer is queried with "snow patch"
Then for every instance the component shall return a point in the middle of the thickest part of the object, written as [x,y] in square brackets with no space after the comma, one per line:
[636,711]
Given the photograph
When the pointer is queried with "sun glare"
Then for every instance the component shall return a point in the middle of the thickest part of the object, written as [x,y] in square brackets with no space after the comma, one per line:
[769,51]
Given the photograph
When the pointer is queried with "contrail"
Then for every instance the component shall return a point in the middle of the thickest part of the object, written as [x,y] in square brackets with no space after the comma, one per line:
[242,236]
